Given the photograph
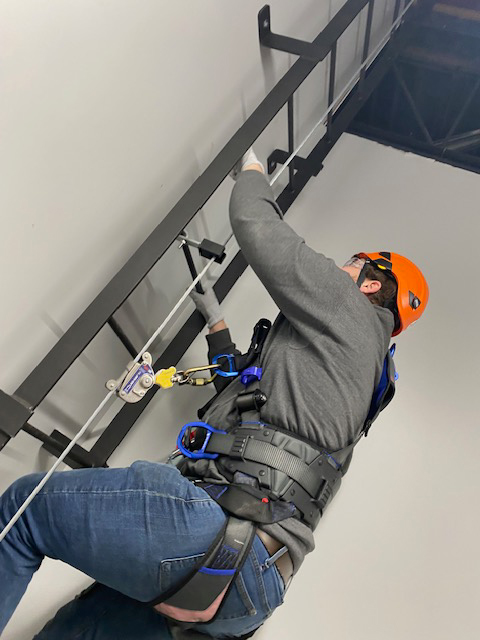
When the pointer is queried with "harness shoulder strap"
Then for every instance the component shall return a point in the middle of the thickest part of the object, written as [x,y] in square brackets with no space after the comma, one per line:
[385,390]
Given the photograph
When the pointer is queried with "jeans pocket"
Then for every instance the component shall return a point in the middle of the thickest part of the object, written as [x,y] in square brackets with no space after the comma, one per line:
[271,582]
[173,570]
[280,584]
[238,603]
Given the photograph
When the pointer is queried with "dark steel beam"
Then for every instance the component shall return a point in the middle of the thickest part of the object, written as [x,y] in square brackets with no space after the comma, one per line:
[291,141]
[441,72]
[13,415]
[396,10]
[78,457]
[463,110]
[122,336]
[331,85]
[56,443]
[467,140]
[459,26]
[366,42]
[191,265]
[412,104]
[397,141]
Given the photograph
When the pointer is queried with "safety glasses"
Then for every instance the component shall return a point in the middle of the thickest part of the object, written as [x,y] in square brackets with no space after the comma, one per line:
[356,262]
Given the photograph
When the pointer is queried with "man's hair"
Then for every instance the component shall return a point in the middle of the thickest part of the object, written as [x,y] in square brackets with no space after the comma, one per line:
[386,296]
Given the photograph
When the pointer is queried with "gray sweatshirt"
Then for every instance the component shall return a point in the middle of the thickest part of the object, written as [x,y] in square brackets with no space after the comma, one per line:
[324,355]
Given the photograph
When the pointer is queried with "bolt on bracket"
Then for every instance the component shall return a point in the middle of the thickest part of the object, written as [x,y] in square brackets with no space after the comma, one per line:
[278,156]
[301,48]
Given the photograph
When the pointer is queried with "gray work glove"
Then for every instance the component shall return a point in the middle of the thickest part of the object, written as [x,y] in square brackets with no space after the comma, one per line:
[245,160]
[208,306]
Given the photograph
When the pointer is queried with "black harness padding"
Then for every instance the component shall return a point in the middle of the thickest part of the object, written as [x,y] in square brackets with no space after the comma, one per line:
[248,502]
[217,570]
[243,446]
[300,488]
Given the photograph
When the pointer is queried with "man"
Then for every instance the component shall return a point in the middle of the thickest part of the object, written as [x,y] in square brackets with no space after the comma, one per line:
[142,531]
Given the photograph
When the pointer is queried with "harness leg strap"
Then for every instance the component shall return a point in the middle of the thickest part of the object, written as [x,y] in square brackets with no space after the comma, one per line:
[199,598]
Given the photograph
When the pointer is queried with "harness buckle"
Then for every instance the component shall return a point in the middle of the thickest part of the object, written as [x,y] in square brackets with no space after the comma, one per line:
[194,438]
[231,372]
[239,446]
[324,496]
[251,374]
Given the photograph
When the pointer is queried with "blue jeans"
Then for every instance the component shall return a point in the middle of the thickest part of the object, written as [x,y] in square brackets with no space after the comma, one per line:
[137,531]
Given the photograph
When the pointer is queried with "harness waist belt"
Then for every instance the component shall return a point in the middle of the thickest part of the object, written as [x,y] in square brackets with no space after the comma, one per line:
[300,485]
[245,447]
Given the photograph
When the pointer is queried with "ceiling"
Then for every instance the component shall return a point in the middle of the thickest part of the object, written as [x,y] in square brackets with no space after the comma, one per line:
[429,103]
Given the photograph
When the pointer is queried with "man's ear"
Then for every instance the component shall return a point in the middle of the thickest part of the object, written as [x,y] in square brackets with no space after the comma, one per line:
[371,286]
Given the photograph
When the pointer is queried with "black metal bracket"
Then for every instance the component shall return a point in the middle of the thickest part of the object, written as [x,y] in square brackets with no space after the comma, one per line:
[13,415]
[207,248]
[306,50]
[280,157]
[56,443]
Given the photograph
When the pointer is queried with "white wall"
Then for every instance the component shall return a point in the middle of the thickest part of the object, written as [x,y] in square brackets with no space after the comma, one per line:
[109,111]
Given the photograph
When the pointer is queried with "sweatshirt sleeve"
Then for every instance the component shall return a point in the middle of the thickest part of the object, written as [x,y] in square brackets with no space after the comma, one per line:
[307,287]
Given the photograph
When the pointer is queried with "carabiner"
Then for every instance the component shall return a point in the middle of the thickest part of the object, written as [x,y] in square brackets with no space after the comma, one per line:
[196,455]
[231,373]
[186,377]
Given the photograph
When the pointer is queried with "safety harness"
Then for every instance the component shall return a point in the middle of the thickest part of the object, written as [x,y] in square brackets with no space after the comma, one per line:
[272,475]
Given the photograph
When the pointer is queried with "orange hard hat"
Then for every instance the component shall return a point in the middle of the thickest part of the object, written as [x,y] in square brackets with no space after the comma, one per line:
[412,288]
